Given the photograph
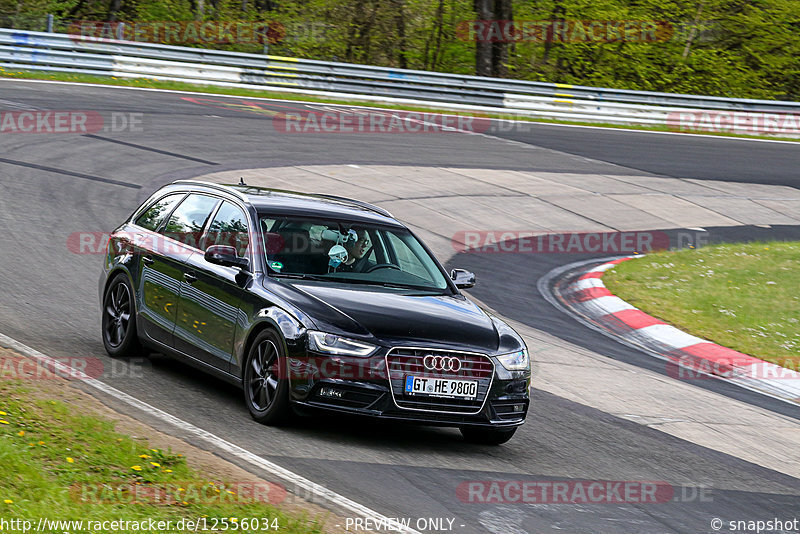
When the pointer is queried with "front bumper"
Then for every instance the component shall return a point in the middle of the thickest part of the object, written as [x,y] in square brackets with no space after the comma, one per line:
[372,387]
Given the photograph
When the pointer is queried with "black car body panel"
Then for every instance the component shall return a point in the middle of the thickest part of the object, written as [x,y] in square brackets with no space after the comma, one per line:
[422,320]
[207,314]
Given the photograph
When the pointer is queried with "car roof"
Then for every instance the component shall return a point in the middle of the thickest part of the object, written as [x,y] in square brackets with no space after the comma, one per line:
[283,202]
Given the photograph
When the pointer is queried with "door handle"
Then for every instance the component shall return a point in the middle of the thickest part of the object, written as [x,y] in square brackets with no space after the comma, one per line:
[190,278]
[148,260]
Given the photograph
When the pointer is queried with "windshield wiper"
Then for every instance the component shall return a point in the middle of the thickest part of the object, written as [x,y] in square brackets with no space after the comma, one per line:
[297,276]
[391,285]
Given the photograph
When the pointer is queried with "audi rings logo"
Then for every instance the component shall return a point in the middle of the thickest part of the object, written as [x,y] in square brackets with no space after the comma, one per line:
[441,363]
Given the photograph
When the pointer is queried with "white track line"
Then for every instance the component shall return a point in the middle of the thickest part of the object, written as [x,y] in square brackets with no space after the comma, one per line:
[434,105]
[243,454]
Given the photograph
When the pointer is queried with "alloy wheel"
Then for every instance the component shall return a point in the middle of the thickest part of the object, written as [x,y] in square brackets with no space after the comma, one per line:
[118,314]
[263,380]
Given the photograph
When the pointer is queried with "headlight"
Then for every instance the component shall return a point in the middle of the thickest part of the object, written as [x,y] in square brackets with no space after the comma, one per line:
[516,361]
[333,344]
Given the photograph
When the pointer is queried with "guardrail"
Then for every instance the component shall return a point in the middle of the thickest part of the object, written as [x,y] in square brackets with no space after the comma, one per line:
[67,53]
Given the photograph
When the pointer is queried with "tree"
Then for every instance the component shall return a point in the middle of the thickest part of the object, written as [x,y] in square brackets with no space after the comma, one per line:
[483,46]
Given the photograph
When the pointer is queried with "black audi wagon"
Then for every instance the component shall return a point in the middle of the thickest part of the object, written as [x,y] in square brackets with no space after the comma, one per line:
[310,302]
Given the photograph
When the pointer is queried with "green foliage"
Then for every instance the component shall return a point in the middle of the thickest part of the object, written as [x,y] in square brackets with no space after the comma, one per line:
[742,296]
[59,465]
[741,48]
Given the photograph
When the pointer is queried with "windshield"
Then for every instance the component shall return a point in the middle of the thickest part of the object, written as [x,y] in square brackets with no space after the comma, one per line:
[345,252]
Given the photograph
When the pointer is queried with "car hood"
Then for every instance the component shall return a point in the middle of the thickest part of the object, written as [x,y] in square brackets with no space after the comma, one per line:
[397,318]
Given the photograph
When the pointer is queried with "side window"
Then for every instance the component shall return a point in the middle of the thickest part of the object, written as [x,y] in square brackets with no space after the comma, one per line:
[187,221]
[153,217]
[229,227]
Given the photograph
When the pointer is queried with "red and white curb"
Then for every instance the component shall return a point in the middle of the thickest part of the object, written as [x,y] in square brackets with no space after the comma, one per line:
[583,295]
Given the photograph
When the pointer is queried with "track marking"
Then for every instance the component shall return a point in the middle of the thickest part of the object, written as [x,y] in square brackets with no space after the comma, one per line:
[288,476]
[69,173]
[149,149]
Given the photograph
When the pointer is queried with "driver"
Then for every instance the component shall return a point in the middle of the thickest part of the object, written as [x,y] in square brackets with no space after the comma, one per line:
[356,252]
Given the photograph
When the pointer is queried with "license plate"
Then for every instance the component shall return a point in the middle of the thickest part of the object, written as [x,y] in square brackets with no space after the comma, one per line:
[441,387]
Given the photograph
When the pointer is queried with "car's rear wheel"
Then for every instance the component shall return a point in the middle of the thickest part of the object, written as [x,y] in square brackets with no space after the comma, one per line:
[266,386]
[487,436]
[119,319]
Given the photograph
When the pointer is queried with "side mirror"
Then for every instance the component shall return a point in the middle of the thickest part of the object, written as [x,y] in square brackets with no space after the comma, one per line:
[225,255]
[463,279]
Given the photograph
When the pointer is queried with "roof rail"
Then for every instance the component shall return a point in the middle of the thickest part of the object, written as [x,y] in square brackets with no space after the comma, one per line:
[220,187]
[367,205]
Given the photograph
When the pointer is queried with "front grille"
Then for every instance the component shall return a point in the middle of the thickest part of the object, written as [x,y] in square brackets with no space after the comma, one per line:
[402,362]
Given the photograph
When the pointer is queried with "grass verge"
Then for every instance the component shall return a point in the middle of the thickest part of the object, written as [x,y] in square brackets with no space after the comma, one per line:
[741,296]
[236,91]
[64,466]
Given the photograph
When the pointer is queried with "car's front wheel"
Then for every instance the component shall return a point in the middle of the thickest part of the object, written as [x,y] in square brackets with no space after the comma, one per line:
[119,319]
[266,386]
[487,436]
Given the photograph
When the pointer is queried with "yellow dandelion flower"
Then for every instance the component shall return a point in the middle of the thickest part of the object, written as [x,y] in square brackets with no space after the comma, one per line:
[168,470]
[3,413]
[136,467]
[4,422]
[70,460]
[155,464]
[144,456]
[41,443]
[21,433]
[8,501]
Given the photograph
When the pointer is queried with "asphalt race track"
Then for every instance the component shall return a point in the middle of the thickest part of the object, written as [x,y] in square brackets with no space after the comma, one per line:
[52,186]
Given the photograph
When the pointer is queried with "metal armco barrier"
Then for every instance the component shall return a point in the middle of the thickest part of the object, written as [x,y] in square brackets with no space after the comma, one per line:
[27,50]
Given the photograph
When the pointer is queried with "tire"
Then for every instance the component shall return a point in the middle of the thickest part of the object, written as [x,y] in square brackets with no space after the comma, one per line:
[486,436]
[120,337]
[264,380]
